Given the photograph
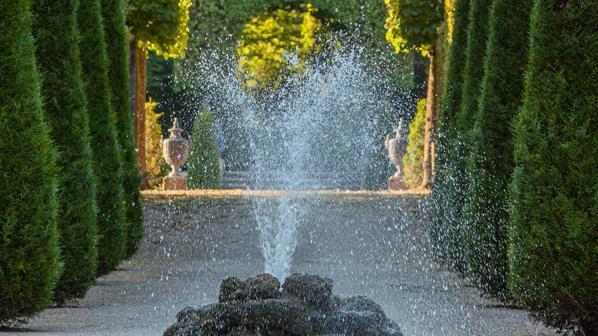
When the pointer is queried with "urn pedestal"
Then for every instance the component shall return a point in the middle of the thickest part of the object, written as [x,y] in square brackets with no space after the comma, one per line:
[396,149]
[176,152]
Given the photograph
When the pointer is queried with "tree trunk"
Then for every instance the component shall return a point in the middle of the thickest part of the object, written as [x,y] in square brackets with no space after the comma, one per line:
[140,54]
[427,160]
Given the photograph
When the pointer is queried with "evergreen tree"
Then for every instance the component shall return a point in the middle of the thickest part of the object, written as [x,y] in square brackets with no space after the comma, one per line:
[112,221]
[491,157]
[29,253]
[113,13]
[554,226]
[57,56]
[446,198]
[204,165]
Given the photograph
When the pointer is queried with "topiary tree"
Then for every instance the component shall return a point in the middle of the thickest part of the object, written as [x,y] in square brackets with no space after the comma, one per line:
[412,160]
[57,56]
[446,199]
[113,14]
[204,164]
[491,158]
[553,225]
[413,25]
[29,253]
[112,220]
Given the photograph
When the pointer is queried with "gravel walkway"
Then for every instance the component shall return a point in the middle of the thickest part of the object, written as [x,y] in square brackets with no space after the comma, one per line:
[369,245]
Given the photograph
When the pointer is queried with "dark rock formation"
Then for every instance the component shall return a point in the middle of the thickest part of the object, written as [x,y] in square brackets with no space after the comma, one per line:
[304,306]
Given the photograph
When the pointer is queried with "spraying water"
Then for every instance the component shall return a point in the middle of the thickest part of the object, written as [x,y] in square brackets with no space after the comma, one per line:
[315,132]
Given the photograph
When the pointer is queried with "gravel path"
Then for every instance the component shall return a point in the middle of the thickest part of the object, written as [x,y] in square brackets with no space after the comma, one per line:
[374,246]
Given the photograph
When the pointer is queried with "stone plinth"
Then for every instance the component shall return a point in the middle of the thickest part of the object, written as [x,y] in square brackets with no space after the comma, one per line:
[177,182]
[395,183]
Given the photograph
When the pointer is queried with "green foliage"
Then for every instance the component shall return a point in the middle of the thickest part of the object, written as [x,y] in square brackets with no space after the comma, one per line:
[160,25]
[554,226]
[412,160]
[57,53]
[447,199]
[270,38]
[29,253]
[413,24]
[204,167]
[491,160]
[118,79]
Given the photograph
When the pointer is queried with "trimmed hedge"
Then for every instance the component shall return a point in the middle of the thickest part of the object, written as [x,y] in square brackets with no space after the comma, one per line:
[113,12]
[29,253]
[445,200]
[112,221]
[491,159]
[554,226]
[58,60]
[204,165]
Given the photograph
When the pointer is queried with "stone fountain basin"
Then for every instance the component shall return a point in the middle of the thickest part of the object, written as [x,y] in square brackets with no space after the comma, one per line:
[303,306]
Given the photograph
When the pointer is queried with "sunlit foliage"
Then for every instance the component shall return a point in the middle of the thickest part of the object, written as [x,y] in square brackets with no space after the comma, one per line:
[154,163]
[160,25]
[277,43]
[412,160]
[412,24]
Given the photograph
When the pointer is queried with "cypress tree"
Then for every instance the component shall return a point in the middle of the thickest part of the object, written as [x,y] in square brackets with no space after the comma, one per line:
[113,13]
[446,198]
[58,60]
[553,225]
[112,223]
[491,157]
[29,253]
[204,165]
[472,77]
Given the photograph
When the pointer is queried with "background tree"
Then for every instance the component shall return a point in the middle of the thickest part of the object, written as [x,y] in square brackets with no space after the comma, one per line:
[491,157]
[271,39]
[446,199]
[160,26]
[554,225]
[57,56]
[204,164]
[113,14]
[412,25]
[29,253]
[108,165]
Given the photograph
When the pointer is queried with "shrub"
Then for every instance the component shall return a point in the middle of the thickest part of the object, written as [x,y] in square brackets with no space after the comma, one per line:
[491,160]
[554,226]
[29,253]
[412,160]
[57,56]
[112,224]
[446,198]
[155,163]
[113,13]
[204,167]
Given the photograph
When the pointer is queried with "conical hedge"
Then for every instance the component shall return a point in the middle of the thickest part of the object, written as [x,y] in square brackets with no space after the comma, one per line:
[29,253]
[57,57]
[446,198]
[554,222]
[491,159]
[112,221]
[204,164]
[113,13]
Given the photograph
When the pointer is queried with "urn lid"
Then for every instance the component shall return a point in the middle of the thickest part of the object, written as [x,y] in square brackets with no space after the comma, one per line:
[175,131]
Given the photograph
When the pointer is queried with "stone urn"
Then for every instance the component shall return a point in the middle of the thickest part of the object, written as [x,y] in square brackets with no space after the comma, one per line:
[175,149]
[396,149]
